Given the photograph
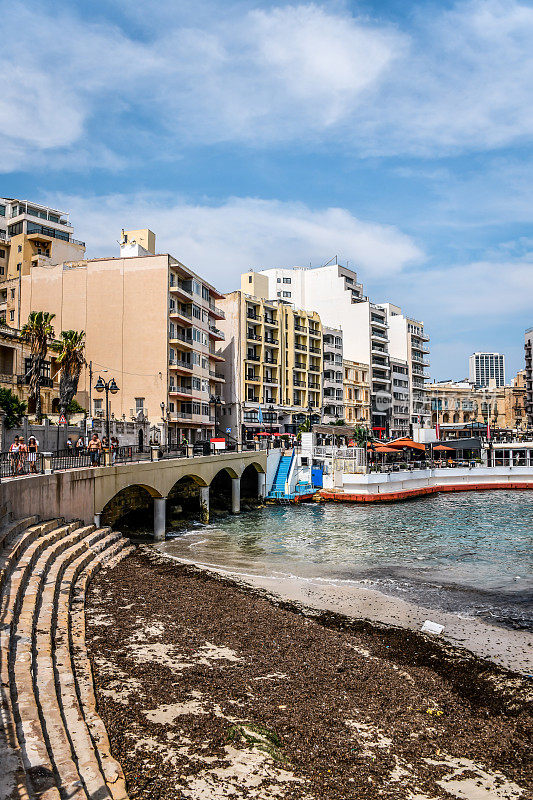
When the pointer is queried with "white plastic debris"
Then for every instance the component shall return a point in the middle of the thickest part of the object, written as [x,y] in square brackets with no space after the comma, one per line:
[432,627]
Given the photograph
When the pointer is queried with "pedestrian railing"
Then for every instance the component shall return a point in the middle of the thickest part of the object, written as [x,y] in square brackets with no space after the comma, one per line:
[69,459]
[13,465]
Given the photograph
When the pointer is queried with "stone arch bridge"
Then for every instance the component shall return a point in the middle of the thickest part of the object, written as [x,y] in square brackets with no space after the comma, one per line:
[83,493]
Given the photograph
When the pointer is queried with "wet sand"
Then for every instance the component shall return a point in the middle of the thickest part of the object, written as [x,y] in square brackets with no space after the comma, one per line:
[509,648]
[210,690]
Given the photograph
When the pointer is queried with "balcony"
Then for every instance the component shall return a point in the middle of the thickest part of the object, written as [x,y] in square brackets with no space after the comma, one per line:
[300,328]
[252,357]
[270,380]
[270,320]
[181,341]
[181,313]
[179,389]
[313,385]
[298,382]
[314,349]
[254,337]
[251,376]
[315,332]
[178,287]
[183,415]
[216,311]
[178,363]
[314,368]
[273,342]
[378,335]
[252,315]
[269,360]
[216,333]
[215,356]
[302,348]
[300,365]
[216,376]
[252,399]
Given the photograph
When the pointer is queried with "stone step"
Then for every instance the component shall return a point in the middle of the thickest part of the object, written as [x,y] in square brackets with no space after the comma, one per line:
[11,527]
[81,667]
[54,742]
[17,574]
[44,744]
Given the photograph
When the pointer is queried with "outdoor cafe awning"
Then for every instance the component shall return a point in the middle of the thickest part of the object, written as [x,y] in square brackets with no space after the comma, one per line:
[386,449]
[444,447]
[406,442]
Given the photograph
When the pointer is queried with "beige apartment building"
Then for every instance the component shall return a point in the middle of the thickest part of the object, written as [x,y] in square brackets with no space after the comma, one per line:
[460,403]
[31,235]
[356,393]
[273,362]
[150,323]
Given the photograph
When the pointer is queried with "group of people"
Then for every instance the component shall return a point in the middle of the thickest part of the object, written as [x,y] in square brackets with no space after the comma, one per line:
[21,453]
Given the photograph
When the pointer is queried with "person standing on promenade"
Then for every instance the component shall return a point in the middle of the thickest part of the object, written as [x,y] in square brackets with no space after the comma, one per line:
[14,455]
[33,448]
[23,454]
[95,448]
[69,445]
[80,445]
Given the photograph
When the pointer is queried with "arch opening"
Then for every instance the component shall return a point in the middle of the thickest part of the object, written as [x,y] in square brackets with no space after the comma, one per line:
[183,502]
[250,487]
[131,510]
[220,493]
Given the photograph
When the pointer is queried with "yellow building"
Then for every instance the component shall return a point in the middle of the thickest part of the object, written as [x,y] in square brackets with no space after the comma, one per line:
[14,372]
[31,235]
[459,403]
[356,393]
[273,362]
[150,323]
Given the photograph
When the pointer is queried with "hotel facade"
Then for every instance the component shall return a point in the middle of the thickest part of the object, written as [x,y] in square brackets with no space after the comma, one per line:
[150,322]
[273,362]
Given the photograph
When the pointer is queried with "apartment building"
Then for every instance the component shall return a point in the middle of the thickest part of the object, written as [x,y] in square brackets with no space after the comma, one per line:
[334,292]
[528,347]
[401,398]
[31,235]
[485,369]
[273,362]
[150,322]
[356,386]
[332,382]
[408,343]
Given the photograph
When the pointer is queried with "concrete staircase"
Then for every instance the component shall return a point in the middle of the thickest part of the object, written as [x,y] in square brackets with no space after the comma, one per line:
[53,744]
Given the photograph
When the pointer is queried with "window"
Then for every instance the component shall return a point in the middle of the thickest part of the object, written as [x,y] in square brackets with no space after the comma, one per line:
[249,278]
[139,404]
[2,211]
[11,316]
[97,405]
[171,407]
[2,270]
[12,294]
[286,294]
[287,280]
[20,248]
[19,266]
[2,253]
[279,280]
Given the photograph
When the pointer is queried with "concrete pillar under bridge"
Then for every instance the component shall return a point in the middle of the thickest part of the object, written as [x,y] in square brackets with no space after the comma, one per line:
[235,495]
[204,504]
[160,518]
[261,485]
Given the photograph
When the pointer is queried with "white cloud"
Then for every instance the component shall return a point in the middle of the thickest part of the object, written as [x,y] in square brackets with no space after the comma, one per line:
[459,79]
[221,241]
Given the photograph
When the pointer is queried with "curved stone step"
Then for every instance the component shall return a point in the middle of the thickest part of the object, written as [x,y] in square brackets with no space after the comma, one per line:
[44,744]
[11,527]
[16,574]
[56,747]
[81,668]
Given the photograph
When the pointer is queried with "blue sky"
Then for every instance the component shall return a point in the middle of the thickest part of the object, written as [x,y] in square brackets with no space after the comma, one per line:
[394,134]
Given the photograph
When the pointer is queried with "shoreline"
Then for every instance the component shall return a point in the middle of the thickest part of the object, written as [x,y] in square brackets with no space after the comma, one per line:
[210,689]
[507,647]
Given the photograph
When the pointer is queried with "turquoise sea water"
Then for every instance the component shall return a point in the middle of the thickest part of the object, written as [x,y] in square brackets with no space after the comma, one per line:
[469,552]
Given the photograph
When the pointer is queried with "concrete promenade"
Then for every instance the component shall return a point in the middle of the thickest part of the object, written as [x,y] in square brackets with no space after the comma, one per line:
[388,487]
[81,494]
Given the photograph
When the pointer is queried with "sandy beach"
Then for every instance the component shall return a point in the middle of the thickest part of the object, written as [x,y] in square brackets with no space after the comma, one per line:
[209,689]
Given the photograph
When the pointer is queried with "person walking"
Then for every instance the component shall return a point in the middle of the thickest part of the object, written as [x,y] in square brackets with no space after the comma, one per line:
[33,449]
[95,449]
[14,455]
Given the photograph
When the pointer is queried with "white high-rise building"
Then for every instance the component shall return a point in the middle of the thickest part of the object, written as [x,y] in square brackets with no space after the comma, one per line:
[408,343]
[486,369]
[333,291]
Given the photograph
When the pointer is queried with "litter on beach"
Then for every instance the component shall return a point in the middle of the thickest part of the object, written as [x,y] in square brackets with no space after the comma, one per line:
[432,627]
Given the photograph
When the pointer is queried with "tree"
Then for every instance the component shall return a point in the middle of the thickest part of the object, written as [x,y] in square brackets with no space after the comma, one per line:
[71,359]
[37,331]
[13,407]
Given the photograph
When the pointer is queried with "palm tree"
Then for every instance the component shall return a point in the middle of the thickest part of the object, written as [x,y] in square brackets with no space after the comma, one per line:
[37,331]
[71,359]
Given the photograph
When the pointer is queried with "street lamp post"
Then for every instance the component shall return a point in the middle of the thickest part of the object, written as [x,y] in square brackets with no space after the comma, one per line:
[271,417]
[165,435]
[106,386]
[309,411]
[216,401]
